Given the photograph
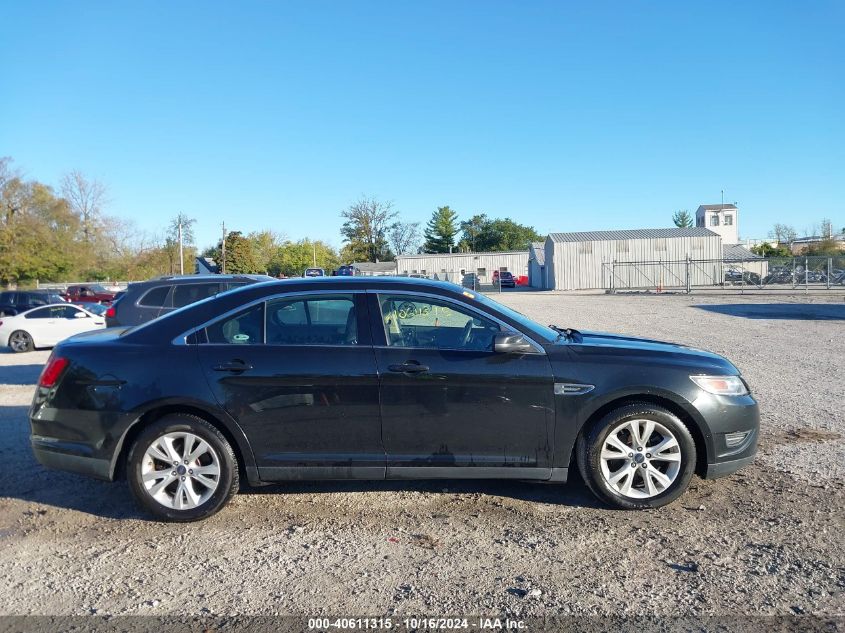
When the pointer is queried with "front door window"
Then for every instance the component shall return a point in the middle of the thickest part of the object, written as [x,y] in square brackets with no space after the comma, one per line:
[422,322]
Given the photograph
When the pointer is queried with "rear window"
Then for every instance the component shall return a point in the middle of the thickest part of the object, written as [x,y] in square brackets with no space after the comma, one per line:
[155,298]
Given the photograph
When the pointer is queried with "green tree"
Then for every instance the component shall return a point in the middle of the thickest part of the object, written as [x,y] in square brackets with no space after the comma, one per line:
[292,258]
[265,245]
[682,219]
[767,250]
[365,227]
[441,230]
[481,234]
[240,257]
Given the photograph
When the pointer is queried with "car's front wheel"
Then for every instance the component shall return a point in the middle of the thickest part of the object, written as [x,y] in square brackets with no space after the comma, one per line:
[181,468]
[638,456]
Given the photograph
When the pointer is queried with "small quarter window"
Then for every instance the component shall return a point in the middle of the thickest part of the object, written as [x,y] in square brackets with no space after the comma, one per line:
[155,298]
[243,328]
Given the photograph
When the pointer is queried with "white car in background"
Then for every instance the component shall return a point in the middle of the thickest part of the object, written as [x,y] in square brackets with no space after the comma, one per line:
[45,326]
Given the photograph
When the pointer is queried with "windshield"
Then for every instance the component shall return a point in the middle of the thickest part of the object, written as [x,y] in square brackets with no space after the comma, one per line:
[98,288]
[532,327]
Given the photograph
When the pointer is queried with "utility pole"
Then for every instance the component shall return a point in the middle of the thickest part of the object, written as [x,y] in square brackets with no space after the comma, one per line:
[224,248]
[181,259]
[315,254]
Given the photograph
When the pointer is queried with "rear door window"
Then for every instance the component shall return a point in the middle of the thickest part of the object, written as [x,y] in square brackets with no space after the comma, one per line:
[186,294]
[156,298]
[327,320]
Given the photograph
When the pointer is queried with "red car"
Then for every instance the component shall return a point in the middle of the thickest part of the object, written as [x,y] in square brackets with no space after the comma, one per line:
[89,293]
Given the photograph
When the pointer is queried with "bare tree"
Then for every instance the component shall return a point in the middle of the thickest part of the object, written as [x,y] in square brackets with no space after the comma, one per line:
[181,227]
[405,237]
[783,233]
[87,198]
[827,228]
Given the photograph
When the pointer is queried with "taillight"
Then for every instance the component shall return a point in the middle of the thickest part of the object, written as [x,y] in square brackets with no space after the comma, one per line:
[52,371]
[110,312]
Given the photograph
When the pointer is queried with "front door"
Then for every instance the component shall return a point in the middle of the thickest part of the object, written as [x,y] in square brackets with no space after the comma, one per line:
[299,376]
[450,405]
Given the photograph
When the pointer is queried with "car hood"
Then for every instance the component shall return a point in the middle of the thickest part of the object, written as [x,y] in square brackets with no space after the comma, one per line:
[632,348]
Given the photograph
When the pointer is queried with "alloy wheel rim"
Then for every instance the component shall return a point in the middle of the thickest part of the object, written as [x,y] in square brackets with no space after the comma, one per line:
[640,459]
[180,470]
[19,341]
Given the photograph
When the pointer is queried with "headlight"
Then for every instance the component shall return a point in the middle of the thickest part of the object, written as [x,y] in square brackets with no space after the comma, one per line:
[721,385]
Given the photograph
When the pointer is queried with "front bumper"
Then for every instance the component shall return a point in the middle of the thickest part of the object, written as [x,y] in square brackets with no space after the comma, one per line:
[722,469]
[727,417]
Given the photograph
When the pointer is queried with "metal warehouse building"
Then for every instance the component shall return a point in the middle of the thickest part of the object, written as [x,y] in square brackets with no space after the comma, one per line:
[577,261]
[537,265]
[453,266]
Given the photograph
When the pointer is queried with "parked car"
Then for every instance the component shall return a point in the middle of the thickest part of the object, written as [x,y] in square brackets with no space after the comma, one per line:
[314,272]
[16,301]
[46,325]
[738,276]
[504,279]
[345,271]
[382,378]
[89,293]
[147,300]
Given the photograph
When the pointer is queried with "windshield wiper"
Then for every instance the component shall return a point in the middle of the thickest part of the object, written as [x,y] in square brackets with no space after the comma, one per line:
[566,332]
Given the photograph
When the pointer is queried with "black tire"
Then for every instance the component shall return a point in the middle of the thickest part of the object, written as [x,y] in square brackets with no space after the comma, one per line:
[228,481]
[25,344]
[591,441]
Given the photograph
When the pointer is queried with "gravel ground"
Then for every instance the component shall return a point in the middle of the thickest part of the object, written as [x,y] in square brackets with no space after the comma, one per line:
[768,540]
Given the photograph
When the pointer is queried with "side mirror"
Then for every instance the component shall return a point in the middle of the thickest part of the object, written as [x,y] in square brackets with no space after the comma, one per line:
[512,343]
[80,315]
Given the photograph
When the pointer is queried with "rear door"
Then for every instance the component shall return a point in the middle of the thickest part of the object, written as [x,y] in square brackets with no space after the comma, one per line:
[298,374]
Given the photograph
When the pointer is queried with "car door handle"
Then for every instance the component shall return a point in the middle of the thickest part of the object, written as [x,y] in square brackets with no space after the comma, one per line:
[235,366]
[411,367]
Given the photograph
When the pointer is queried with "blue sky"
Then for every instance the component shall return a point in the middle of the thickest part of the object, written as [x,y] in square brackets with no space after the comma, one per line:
[566,116]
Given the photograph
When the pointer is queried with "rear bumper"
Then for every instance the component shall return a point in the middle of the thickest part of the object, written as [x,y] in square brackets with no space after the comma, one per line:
[70,457]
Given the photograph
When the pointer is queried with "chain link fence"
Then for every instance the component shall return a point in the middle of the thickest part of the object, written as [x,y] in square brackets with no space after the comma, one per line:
[773,274]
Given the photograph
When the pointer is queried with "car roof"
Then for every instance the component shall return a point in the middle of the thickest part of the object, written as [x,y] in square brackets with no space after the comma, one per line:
[169,280]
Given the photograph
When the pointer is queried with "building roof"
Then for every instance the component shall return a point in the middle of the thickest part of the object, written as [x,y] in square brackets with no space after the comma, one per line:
[810,239]
[457,254]
[375,267]
[717,207]
[537,252]
[206,265]
[634,234]
[737,251]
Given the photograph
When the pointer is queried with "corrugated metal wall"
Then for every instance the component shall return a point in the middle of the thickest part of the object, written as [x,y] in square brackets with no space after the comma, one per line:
[578,265]
[515,262]
[535,274]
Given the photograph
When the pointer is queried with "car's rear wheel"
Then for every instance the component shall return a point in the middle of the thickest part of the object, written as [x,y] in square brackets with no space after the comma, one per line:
[20,341]
[181,468]
[638,456]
